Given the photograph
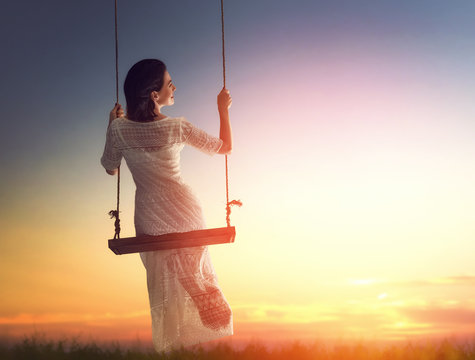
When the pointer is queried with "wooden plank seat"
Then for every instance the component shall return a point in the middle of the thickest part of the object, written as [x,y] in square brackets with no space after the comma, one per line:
[144,243]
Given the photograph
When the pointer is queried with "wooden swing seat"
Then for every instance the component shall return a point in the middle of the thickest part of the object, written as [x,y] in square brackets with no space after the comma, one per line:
[144,243]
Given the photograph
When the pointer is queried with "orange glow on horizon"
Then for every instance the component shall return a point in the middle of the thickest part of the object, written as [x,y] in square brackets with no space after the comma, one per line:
[380,318]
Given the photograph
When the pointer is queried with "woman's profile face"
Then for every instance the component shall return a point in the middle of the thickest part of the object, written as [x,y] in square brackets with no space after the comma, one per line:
[166,93]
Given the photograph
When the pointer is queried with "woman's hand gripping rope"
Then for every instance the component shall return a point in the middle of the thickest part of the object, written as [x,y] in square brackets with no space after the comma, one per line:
[115,113]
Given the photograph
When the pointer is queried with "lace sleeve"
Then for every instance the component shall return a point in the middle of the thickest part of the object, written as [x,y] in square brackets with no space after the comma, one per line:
[200,139]
[112,156]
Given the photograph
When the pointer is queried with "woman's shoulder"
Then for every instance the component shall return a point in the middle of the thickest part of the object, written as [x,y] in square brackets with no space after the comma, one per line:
[118,122]
[123,123]
[167,121]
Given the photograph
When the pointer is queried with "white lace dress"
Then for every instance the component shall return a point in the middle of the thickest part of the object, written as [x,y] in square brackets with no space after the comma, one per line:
[187,305]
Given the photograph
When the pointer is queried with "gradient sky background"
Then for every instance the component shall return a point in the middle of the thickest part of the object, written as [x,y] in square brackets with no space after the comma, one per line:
[354,156]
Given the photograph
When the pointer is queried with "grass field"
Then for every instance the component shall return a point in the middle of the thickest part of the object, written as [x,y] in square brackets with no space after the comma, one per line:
[36,348]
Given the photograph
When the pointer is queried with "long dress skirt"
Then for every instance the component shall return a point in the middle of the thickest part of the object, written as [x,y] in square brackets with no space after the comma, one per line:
[186,302]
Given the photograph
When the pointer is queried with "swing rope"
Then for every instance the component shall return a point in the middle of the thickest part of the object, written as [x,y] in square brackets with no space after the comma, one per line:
[115,213]
[116,57]
[233,202]
[222,44]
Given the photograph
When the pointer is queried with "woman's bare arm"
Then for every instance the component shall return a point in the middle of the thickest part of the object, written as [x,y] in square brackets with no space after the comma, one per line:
[225,132]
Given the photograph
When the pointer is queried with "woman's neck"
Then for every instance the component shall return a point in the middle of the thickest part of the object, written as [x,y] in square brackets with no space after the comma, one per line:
[160,116]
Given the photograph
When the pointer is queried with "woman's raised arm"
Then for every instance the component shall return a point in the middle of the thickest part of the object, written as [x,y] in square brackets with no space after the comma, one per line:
[225,133]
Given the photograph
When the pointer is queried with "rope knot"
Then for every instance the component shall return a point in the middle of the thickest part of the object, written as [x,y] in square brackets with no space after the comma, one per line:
[228,209]
[115,214]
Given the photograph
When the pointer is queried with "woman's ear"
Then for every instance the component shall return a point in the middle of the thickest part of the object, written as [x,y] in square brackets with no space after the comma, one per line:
[154,95]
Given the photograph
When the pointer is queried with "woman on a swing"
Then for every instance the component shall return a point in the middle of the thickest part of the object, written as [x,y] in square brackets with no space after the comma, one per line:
[187,305]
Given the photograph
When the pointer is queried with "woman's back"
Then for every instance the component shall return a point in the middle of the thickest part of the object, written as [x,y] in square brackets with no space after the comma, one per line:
[152,149]
[163,202]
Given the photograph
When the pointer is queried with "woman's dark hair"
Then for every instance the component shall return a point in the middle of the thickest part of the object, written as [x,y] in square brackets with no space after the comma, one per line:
[143,78]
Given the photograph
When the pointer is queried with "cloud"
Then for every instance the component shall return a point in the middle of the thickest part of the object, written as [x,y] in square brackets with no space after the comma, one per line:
[441,281]
[466,280]
[58,318]
[441,316]
[133,326]
[271,313]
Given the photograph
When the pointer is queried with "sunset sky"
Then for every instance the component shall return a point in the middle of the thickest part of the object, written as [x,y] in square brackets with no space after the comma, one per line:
[354,156]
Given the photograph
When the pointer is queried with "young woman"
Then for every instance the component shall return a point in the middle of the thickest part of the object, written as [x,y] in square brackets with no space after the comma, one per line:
[187,305]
